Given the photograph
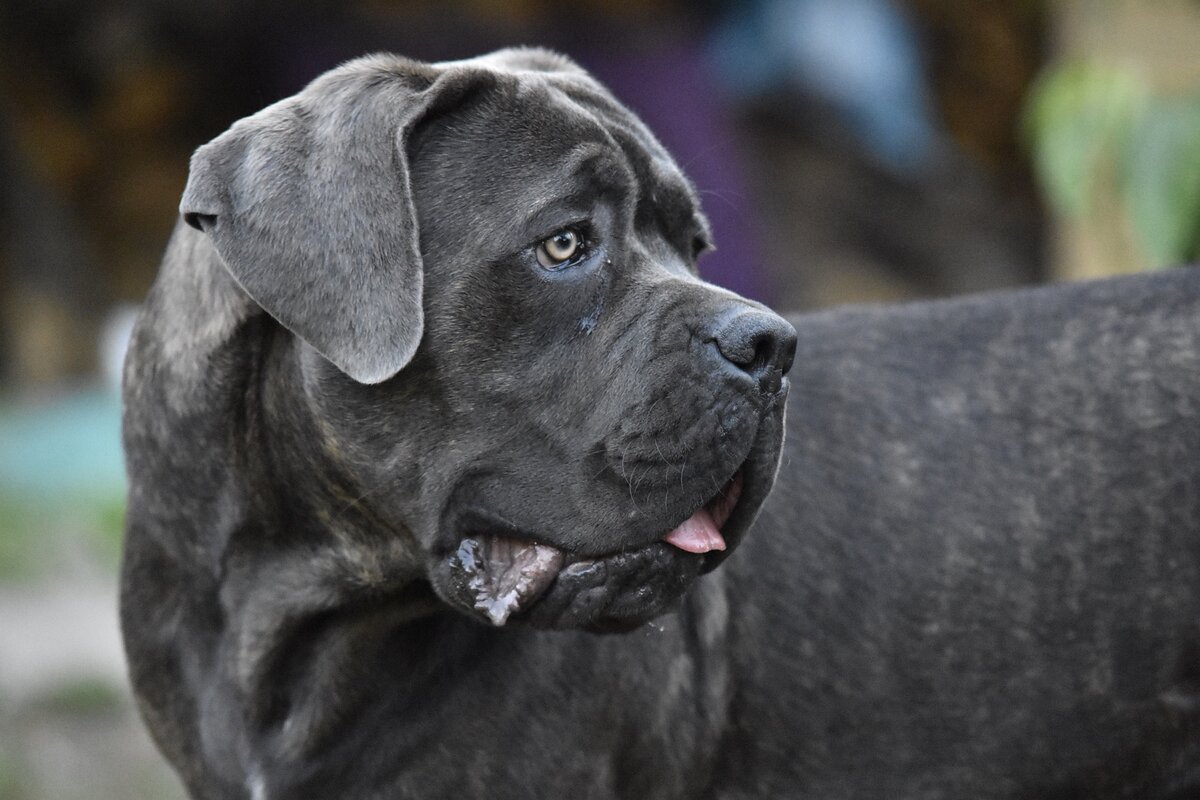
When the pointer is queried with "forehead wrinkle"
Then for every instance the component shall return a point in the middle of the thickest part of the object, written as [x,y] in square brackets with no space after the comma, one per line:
[607,148]
[597,99]
[665,196]
[581,102]
[582,176]
[662,189]
[596,161]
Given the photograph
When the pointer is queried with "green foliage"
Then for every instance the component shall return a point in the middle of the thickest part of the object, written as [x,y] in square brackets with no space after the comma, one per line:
[108,526]
[1079,117]
[1096,129]
[1163,189]
[18,546]
[81,696]
[10,777]
[37,534]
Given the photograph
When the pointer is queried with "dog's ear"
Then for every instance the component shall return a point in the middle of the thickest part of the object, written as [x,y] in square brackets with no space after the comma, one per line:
[310,206]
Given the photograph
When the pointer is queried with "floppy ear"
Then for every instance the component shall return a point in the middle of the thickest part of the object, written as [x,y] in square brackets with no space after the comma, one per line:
[309,204]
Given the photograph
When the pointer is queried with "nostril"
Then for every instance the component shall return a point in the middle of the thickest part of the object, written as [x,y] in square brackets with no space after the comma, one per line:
[747,351]
[763,349]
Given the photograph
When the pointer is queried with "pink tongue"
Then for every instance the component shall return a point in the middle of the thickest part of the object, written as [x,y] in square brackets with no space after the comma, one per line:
[697,534]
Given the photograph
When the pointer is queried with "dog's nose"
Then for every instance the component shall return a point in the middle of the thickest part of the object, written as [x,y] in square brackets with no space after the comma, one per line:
[761,344]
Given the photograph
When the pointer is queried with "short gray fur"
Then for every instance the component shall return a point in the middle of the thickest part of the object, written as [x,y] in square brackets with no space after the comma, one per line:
[976,576]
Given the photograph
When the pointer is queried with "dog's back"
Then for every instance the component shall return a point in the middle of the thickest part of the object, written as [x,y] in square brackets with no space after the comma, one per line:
[984,551]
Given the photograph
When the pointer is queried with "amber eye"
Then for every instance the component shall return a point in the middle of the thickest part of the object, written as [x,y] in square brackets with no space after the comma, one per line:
[559,248]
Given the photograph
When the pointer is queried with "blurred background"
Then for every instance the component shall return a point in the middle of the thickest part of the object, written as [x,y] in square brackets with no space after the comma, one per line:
[845,151]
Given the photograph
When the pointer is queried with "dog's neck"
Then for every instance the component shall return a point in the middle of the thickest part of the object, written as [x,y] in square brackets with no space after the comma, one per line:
[324,552]
[291,573]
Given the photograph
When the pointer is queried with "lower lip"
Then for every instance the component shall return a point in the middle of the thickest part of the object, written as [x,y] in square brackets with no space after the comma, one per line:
[721,507]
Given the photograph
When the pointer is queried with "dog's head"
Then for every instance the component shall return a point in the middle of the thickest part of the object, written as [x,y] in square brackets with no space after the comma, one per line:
[489,270]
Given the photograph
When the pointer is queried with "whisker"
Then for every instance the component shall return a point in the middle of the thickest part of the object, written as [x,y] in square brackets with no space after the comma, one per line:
[660,452]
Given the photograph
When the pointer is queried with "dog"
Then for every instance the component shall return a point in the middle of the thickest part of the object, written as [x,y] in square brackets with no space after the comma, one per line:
[436,441]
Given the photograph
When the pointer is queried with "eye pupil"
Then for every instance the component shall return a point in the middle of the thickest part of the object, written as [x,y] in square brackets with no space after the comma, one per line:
[560,247]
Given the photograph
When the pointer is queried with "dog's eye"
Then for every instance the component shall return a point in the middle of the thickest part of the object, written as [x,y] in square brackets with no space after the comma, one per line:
[559,249]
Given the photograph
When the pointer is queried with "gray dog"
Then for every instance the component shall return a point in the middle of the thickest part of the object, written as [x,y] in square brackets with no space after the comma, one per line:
[428,393]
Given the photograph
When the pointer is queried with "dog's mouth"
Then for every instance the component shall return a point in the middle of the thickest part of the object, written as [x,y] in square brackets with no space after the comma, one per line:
[497,577]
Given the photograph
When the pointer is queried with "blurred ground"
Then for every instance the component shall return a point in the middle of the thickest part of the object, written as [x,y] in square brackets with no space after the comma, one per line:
[69,727]
[70,730]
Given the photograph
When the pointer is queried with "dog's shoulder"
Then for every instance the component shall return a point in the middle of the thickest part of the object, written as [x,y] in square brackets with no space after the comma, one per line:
[188,377]
[194,310]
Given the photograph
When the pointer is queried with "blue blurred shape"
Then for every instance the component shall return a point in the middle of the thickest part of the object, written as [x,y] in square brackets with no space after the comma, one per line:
[860,56]
[70,446]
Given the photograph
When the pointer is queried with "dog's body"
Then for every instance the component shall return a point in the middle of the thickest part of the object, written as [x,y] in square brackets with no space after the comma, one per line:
[985,538]
[976,575]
